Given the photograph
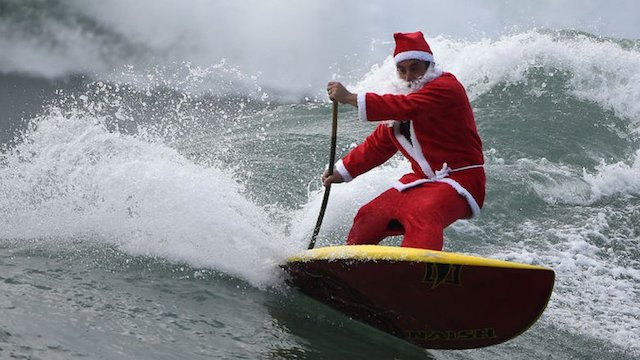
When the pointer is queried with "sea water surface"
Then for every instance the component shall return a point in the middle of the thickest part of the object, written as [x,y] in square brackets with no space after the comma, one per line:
[145,205]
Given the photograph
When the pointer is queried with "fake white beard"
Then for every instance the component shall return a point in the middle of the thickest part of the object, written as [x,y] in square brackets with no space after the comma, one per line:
[407,87]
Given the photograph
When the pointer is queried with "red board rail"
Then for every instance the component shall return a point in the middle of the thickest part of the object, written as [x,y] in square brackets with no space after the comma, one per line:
[433,299]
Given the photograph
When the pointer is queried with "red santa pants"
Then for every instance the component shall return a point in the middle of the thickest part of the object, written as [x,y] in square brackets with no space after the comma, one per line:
[420,213]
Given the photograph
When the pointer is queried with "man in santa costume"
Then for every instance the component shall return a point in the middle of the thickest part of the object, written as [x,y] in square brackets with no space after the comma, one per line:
[434,128]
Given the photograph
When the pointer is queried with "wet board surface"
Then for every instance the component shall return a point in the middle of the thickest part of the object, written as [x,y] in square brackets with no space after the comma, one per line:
[433,299]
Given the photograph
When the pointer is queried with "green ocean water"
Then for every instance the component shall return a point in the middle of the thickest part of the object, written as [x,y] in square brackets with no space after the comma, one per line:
[144,215]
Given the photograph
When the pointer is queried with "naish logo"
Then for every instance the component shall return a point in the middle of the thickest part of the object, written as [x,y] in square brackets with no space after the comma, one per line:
[438,274]
[467,334]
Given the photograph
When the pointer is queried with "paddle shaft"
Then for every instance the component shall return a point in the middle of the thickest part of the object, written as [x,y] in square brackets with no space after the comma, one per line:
[327,189]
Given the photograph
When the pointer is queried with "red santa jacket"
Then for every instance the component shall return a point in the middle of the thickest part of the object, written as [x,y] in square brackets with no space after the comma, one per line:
[444,147]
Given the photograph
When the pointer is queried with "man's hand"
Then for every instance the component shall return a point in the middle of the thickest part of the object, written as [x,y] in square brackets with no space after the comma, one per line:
[339,93]
[327,179]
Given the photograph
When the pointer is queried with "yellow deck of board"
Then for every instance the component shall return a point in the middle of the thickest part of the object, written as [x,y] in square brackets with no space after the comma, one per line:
[394,253]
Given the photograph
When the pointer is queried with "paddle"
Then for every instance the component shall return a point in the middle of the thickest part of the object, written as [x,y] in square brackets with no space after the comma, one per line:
[332,160]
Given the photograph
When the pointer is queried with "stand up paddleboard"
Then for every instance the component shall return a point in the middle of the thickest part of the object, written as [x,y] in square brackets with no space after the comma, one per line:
[433,299]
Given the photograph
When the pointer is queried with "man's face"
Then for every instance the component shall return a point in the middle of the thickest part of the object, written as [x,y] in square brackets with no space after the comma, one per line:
[411,70]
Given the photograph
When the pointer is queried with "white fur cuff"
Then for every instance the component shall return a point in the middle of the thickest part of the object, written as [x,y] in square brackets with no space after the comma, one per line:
[362,107]
[340,168]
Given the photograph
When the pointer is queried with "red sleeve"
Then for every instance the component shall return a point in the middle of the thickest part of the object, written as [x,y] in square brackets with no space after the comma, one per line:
[374,151]
[432,98]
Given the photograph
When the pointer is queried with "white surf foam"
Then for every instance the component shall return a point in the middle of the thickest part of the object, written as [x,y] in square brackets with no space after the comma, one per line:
[71,177]
[617,179]
[562,184]
[597,286]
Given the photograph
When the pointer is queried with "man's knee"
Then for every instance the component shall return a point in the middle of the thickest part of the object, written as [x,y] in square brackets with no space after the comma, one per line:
[368,227]
[425,231]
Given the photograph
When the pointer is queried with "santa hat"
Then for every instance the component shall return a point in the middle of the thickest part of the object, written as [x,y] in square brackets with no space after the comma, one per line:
[411,46]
